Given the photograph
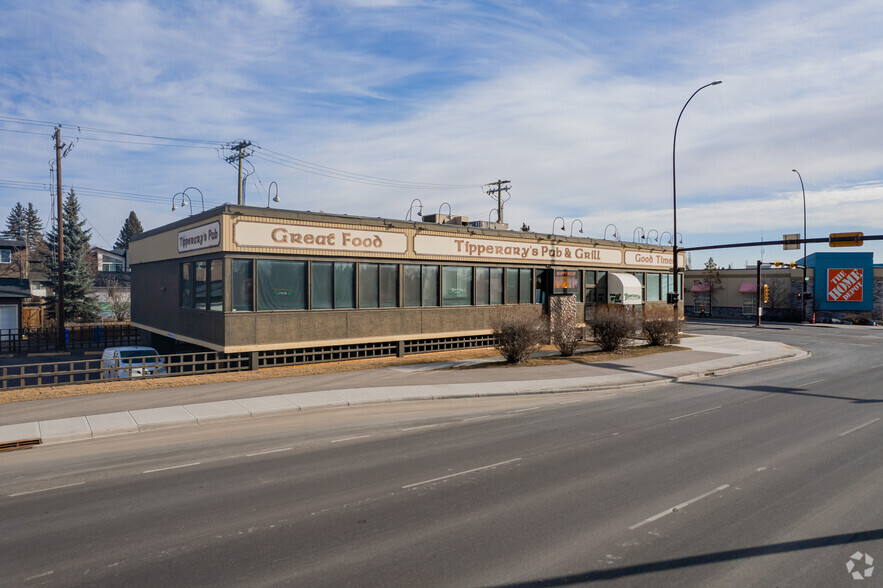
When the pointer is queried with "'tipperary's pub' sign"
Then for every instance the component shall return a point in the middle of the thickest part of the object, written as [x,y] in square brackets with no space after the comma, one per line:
[845,284]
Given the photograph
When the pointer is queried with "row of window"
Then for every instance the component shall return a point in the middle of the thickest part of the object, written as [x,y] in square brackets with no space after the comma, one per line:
[272,284]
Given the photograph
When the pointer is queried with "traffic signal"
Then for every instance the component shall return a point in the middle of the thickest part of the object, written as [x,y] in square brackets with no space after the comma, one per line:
[793,264]
[777,263]
[766,292]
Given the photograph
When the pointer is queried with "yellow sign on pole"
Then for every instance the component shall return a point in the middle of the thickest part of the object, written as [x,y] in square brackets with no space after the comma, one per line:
[845,239]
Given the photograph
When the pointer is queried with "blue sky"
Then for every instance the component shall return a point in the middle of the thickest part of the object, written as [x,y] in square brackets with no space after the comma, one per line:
[574,102]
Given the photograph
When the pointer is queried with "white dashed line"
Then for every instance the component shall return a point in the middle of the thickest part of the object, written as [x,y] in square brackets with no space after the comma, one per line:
[524,409]
[43,575]
[678,507]
[683,416]
[420,427]
[175,467]
[46,489]
[810,383]
[350,438]
[570,402]
[269,451]
[487,467]
[487,416]
[854,429]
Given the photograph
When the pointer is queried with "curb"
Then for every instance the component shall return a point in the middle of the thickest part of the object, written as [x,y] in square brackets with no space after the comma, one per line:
[67,430]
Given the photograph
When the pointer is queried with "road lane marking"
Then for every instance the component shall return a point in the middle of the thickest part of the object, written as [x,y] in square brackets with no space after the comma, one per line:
[656,517]
[420,427]
[46,489]
[43,575]
[350,438]
[487,467]
[810,383]
[570,402]
[683,416]
[524,409]
[174,467]
[854,429]
[487,416]
[269,451]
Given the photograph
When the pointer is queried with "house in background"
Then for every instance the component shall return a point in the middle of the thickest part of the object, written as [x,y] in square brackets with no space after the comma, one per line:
[112,261]
[14,285]
[112,283]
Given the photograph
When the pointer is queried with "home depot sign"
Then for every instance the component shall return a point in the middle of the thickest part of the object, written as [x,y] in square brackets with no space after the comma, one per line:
[845,284]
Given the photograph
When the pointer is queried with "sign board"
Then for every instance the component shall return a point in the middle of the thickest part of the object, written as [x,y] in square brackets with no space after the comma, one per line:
[200,237]
[845,239]
[792,241]
[479,248]
[316,238]
[845,284]
[564,281]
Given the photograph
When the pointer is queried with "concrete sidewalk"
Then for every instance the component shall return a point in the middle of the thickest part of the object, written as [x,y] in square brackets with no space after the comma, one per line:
[89,417]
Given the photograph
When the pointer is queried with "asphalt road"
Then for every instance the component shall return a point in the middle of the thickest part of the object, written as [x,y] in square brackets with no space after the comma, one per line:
[768,477]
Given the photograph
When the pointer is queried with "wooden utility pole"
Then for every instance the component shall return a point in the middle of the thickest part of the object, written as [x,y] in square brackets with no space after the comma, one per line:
[499,192]
[240,148]
[59,314]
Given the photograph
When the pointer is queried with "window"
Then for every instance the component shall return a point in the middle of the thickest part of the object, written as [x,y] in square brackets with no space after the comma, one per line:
[185,286]
[322,284]
[749,303]
[702,302]
[511,285]
[496,285]
[5,255]
[200,275]
[368,285]
[282,285]
[378,285]
[456,286]
[488,286]
[420,285]
[389,285]
[652,287]
[344,285]
[525,286]
[216,285]
[242,284]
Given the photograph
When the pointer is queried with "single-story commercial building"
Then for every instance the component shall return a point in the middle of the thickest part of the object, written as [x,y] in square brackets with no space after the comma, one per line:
[842,286]
[249,279]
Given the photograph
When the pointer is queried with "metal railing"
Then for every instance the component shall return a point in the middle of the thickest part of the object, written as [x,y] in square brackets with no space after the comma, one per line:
[84,371]
[31,339]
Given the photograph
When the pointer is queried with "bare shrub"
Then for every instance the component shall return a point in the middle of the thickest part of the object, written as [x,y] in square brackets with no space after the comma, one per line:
[613,326]
[566,336]
[660,325]
[519,333]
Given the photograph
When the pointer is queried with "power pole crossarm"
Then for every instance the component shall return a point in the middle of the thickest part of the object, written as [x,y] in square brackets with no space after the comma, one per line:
[499,195]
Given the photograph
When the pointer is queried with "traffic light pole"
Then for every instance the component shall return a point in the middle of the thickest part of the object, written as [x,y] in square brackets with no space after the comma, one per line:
[759,308]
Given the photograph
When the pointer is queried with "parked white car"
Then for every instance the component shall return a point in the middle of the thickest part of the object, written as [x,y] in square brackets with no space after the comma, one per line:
[131,362]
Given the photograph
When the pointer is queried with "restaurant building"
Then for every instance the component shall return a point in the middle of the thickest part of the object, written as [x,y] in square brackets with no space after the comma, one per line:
[248,279]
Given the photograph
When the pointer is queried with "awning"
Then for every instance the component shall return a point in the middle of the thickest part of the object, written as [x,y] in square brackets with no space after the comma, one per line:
[700,287]
[624,289]
[748,287]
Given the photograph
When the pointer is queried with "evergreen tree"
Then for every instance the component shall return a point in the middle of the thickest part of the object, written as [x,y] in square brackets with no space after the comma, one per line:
[15,223]
[33,233]
[131,227]
[79,265]
[25,225]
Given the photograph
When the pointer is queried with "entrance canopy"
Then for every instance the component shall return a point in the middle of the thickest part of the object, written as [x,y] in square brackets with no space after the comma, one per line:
[624,289]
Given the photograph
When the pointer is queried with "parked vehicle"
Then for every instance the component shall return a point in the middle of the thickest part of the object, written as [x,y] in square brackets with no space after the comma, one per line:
[131,362]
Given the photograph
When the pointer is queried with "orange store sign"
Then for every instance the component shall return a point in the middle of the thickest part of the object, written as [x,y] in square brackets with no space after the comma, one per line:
[845,284]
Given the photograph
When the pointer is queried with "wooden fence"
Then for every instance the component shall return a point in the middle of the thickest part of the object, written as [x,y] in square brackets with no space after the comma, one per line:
[30,340]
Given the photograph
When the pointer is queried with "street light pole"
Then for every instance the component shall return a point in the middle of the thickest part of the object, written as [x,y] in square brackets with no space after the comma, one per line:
[674,191]
[805,236]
